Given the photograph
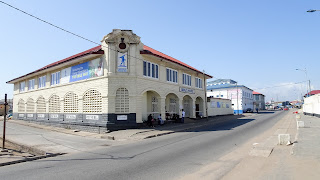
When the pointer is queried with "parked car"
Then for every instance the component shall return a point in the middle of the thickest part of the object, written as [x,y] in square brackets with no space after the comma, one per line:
[249,110]
[285,109]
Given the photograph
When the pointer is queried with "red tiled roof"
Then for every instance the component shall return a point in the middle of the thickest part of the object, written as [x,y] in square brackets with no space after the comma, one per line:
[95,50]
[254,92]
[149,50]
[98,50]
[313,92]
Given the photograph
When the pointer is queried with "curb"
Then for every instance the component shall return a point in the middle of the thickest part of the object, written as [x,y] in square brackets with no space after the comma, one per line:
[30,159]
[180,130]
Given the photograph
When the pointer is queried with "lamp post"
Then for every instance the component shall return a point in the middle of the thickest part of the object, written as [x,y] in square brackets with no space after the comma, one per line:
[308,81]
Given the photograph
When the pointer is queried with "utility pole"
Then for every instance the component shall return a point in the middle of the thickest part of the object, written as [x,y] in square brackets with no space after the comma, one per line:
[205,94]
[237,98]
[4,121]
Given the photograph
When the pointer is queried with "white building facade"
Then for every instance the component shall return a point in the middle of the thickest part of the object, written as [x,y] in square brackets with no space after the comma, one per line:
[114,85]
[241,96]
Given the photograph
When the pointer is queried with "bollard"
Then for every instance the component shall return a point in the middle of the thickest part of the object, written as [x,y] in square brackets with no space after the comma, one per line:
[300,124]
[283,139]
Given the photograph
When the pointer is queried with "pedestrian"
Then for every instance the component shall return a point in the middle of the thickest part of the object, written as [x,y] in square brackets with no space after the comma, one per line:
[149,122]
[183,114]
[161,121]
[257,110]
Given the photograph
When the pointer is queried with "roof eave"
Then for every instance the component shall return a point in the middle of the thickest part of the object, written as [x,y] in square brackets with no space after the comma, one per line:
[53,66]
[156,55]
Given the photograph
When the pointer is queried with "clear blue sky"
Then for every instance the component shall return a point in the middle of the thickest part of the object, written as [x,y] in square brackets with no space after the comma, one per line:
[257,43]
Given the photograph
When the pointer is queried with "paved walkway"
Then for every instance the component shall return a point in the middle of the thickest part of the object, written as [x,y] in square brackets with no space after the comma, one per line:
[308,142]
[262,157]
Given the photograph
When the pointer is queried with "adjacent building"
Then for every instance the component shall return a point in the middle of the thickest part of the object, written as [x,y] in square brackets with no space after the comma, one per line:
[258,101]
[240,95]
[219,106]
[115,85]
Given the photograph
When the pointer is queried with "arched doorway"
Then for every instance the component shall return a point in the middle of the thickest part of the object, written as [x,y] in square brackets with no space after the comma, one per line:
[172,106]
[199,107]
[188,106]
[151,104]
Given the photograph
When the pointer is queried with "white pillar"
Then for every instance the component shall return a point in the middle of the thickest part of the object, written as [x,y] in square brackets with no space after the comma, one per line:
[163,107]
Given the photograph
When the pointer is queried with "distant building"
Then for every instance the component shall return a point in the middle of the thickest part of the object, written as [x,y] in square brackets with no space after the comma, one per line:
[311,105]
[241,96]
[258,101]
[219,106]
[311,93]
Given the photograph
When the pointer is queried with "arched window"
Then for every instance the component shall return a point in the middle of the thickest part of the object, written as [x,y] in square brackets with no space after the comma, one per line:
[173,105]
[30,105]
[71,102]
[41,105]
[92,102]
[21,106]
[54,104]
[154,102]
[122,100]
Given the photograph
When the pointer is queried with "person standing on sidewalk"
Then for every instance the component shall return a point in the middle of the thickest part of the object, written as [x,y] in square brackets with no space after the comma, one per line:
[183,114]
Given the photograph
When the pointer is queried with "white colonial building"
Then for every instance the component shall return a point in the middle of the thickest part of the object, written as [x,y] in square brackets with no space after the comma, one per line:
[115,85]
[241,96]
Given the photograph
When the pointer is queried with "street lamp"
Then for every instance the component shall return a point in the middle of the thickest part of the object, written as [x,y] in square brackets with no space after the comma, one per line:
[308,81]
[312,10]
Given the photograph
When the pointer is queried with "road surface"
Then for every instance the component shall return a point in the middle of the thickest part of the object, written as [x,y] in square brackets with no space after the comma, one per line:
[165,157]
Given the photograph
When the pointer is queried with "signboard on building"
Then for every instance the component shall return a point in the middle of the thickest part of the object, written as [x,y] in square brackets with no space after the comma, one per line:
[122,61]
[122,117]
[82,71]
[92,117]
[186,90]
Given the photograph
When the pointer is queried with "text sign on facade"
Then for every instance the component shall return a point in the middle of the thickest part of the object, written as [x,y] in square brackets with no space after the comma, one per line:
[92,117]
[79,72]
[40,115]
[122,62]
[93,68]
[54,115]
[122,117]
[30,115]
[186,90]
[21,115]
[71,116]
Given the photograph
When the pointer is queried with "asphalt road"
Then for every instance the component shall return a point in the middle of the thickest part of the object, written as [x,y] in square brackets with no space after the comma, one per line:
[164,157]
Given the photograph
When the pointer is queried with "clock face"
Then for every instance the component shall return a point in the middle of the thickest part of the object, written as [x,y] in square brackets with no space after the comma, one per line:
[122,45]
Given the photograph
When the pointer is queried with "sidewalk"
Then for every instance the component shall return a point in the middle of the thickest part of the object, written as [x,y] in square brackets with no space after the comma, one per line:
[308,142]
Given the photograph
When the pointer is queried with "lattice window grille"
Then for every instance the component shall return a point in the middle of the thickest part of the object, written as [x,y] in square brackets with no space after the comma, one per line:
[54,104]
[92,102]
[71,102]
[172,107]
[30,105]
[122,101]
[21,106]
[154,102]
[41,105]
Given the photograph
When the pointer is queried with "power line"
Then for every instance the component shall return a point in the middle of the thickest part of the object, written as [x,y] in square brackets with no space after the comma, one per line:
[62,29]
[282,85]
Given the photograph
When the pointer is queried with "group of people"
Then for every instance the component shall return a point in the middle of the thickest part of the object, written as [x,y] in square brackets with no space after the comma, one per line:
[151,120]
